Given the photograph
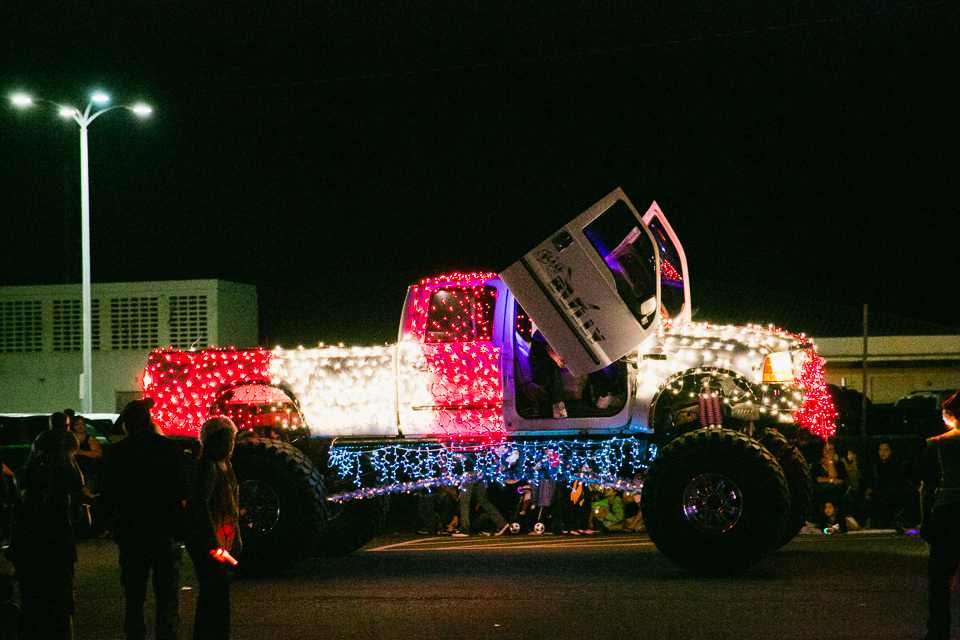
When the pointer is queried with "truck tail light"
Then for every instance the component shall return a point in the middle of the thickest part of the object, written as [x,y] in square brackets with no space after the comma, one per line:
[778,367]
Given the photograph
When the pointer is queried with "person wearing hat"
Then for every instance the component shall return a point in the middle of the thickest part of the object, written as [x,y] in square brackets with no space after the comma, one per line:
[214,536]
[940,519]
[144,489]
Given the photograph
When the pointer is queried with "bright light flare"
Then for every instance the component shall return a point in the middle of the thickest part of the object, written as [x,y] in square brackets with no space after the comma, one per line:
[21,99]
[142,109]
[100,97]
[67,112]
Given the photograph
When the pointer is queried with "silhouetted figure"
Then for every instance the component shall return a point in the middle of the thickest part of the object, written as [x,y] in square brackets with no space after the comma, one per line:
[437,509]
[546,370]
[889,492]
[214,511]
[940,519]
[144,490]
[9,611]
[42,549]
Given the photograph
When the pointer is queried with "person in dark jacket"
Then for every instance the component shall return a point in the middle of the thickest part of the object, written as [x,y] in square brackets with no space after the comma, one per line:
[144,490]
[42,549]
[940,519]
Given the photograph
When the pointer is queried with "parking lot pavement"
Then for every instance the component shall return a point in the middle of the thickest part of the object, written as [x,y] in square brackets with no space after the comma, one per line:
[404,579]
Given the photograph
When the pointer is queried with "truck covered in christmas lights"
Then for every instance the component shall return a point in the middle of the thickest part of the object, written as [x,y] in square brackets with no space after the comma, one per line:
[701,419]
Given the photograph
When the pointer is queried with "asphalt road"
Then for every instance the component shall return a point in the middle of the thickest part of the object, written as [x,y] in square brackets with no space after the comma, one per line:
[863,585]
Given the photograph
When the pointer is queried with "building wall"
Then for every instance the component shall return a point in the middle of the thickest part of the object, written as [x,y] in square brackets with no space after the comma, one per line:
[889,384]
[40,336]
[236,315]
[896,365]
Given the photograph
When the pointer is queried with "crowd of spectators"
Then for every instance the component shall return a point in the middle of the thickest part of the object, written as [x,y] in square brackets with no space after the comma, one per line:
[546,507]
[850,495]
[153,511]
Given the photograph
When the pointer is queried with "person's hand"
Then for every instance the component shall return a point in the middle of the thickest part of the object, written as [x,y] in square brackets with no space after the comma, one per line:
[223,556]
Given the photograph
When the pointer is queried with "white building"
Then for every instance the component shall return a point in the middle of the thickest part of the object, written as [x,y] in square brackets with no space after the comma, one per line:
[896,365]
[902,354]
[41,336]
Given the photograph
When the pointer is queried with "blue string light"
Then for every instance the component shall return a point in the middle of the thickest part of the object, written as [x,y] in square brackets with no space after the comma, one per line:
[613,462]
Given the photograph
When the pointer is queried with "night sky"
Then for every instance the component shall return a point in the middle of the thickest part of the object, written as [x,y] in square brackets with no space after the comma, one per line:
[332,153]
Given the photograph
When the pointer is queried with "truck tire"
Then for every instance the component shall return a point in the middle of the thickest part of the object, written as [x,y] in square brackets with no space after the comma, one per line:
[283,507]
[714,501]
[352,524]
[797,472]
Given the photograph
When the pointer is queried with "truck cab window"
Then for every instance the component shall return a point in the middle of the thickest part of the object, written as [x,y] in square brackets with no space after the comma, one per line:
[630,257]
[522,324]
[461,314]
[671,269]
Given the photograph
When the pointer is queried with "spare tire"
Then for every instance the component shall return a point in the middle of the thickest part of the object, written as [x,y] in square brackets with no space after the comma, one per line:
[797,472]
[714,501]
[283,507]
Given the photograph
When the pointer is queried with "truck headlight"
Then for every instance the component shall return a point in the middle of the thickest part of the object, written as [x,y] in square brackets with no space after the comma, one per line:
[778,367]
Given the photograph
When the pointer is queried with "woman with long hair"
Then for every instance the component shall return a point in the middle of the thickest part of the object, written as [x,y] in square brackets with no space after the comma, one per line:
[215,537]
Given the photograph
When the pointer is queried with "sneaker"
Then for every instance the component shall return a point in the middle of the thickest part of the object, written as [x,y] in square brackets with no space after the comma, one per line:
[559,411]
[505,529]
[603,402]
[461,534]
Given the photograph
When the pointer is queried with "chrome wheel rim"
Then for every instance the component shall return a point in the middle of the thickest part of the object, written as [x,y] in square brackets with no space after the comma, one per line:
[259,508]
[712,503]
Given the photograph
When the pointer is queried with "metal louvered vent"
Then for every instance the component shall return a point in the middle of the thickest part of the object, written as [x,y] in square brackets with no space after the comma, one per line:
[68,325]
[188,322]
[134,323]
[21,326]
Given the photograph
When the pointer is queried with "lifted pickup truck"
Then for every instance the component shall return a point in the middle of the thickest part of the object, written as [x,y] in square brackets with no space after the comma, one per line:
[700,418]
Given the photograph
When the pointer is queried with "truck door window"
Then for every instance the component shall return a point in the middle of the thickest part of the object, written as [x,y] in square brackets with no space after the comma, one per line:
[671,269]
[630,257]
[461,314]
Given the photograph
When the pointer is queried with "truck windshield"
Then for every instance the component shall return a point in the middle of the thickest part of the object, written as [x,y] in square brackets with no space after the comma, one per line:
[630,256]
[671,266]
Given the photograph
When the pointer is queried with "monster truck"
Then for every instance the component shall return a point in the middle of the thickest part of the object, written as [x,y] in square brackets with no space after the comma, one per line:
[700,418]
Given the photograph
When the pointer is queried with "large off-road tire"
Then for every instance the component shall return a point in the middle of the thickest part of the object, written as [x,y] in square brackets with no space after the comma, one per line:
[352,524]
[283,507]
[797,472]
[715,501]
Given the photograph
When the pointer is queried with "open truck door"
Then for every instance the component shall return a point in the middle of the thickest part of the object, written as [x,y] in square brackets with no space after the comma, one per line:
[592,288]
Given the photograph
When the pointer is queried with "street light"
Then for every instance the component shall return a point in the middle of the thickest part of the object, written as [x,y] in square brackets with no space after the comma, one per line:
[89,115]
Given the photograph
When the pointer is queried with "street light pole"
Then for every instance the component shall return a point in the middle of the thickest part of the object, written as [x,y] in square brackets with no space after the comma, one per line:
[86,387]
[84,120]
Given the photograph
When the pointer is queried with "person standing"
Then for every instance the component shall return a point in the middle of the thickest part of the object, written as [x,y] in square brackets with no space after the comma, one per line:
[88,454]
[940,519]
[144,490]
[42,549]
[213,515]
